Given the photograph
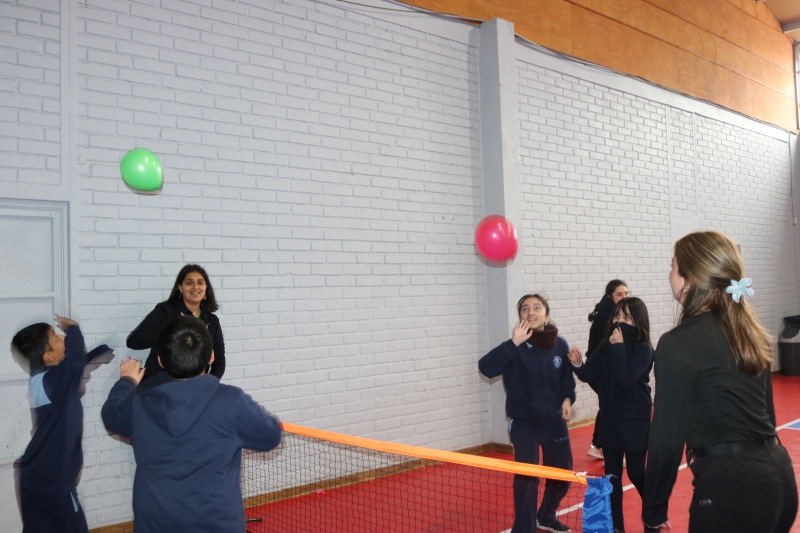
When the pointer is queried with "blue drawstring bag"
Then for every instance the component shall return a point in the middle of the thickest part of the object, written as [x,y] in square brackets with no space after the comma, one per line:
[597,505]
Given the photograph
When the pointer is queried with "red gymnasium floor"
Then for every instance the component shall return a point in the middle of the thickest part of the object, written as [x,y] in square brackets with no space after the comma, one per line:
[450,510]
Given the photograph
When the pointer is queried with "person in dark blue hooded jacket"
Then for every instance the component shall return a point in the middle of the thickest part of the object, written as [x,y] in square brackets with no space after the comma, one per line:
[187,430]
[620,367]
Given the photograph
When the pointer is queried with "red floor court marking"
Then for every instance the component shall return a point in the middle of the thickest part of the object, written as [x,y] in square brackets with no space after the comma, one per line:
[786,392]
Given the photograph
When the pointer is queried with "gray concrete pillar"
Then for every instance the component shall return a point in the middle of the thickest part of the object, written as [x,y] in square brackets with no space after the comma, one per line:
[500,138]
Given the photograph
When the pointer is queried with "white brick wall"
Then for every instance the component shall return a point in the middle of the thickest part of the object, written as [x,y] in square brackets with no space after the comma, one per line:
[597,165]
[323,164]
[29,93]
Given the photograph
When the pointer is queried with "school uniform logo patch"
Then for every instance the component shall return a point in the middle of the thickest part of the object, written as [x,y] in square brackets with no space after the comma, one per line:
[557,361]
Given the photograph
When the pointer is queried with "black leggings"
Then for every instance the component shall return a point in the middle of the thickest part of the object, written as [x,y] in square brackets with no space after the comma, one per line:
[744,492]
[635,464]
[596,431]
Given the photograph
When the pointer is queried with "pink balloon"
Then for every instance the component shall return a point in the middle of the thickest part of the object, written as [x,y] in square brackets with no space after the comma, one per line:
[496,238]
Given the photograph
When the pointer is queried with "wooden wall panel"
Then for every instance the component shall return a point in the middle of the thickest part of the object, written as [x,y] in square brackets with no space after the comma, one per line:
[731,52]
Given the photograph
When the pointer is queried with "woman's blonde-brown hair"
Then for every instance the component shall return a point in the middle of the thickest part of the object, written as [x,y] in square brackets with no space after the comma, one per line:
[709,261]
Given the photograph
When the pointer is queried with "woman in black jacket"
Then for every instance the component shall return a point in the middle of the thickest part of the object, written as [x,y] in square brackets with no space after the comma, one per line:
[616,290]
[192,295]
[714,394]
[621,366]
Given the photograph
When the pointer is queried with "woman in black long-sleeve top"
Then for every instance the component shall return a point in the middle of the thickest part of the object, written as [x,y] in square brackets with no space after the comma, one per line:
[620,368]
[192,295]
[714,393]
[616,290]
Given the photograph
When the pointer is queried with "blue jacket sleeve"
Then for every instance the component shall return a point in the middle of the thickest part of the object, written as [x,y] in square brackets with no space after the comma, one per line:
[97,352]
[257,429]
[629,368]
[117,411]
[496,362]
[591,369]
[64,379]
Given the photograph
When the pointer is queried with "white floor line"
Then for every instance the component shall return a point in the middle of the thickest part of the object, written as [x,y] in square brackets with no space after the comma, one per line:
[786,425]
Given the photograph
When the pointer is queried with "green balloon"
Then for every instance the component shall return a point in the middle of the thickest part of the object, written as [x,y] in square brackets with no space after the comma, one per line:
[141,169]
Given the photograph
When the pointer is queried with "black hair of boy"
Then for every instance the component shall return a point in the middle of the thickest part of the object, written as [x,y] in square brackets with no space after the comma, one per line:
[184,346]
[32,341]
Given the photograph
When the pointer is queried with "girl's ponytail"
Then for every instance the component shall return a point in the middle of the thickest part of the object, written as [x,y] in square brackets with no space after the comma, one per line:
[709,261]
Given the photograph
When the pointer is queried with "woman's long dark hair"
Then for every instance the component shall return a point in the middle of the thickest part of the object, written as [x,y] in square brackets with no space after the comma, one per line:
[210,302]
[611,286]
[641,322]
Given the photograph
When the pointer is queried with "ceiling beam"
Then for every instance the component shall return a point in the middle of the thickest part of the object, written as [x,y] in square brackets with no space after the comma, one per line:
[794,26]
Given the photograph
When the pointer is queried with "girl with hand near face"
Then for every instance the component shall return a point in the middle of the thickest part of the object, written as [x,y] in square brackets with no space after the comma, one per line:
[191,295]
[540,391]
[620,367]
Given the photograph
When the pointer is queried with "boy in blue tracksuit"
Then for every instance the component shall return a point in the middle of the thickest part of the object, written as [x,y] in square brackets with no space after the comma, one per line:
[540,391]
[187,430]
[49,468]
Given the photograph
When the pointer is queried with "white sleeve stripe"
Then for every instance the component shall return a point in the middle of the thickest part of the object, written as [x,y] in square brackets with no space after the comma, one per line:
[36,394]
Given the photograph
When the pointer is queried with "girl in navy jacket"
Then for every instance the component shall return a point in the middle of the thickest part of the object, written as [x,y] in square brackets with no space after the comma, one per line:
[621,365]
[540,391]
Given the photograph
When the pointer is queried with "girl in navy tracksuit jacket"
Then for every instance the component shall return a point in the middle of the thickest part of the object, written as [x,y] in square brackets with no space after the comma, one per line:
[540,391]
[621,365]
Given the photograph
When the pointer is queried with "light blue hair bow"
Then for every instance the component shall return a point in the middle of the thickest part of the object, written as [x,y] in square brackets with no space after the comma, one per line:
[740,288]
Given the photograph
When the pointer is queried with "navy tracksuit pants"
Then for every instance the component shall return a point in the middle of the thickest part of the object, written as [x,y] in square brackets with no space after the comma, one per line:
[556,452]
[46,512]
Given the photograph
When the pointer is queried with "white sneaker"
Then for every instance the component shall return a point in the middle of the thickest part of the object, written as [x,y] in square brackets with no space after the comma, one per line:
[595,452]
[624,463]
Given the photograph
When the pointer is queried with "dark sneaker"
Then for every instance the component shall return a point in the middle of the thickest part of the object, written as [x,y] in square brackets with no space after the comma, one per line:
[555,527]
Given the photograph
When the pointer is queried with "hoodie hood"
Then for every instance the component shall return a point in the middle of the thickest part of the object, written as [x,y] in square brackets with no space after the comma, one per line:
[176,405]
[604,307]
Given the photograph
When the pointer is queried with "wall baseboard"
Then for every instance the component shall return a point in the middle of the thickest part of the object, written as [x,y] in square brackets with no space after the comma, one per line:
[125,527]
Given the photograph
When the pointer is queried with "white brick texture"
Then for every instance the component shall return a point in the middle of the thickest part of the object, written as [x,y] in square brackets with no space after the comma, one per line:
[29,93]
